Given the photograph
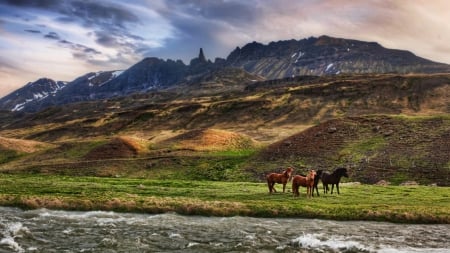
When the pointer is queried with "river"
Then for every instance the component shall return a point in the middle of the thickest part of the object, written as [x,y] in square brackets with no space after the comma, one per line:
[44,230]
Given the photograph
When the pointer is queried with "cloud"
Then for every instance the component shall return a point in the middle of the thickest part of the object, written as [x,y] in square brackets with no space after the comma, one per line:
[32,31]
[232,12]
[80,51]
[52,36]
[100,14]
[44,4]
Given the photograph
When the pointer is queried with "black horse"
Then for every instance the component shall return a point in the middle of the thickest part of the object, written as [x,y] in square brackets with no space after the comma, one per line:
[333,179]
[316,182]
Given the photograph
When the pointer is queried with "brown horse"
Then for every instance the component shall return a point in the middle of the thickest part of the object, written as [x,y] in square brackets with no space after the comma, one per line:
[307,182]
[282,178]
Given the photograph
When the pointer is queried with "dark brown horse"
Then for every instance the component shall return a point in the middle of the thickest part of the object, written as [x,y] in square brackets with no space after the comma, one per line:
[333,179]
[282,178]
[307,182]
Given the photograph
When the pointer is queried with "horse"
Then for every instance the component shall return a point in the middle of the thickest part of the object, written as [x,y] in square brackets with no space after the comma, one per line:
[316,182]
[333,179]
[282,178]
[307,181]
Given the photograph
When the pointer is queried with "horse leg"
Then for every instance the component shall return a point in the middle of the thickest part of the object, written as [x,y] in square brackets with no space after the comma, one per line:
[273,187]
[284,187]
[337,187]
[317,190]
[294,189]
[297,190]
[326,189]
[332,186]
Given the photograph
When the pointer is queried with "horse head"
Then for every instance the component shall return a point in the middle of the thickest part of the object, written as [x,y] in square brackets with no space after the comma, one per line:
[319,173]
[311,175]
[342,172]
[288,173]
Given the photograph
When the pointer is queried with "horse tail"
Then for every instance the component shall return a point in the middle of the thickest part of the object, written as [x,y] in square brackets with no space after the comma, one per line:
[268,182]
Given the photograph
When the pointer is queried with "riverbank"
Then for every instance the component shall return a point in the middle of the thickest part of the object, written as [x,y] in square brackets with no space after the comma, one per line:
[401,204]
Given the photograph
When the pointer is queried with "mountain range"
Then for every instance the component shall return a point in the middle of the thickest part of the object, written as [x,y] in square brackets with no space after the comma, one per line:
[253,62]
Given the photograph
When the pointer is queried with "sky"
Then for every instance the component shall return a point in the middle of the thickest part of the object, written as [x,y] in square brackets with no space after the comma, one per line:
[64,39]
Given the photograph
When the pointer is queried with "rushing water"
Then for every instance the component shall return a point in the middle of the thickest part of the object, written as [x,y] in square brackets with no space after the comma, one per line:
[60,231]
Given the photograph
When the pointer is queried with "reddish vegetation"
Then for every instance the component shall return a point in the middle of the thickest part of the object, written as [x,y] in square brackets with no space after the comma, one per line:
[116,148]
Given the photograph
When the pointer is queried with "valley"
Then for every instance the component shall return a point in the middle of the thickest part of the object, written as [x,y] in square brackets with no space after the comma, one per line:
[381,126]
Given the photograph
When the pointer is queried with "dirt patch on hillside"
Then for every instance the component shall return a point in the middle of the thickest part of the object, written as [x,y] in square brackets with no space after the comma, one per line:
[119,147]
[25,146]
[211,139]
[374,148]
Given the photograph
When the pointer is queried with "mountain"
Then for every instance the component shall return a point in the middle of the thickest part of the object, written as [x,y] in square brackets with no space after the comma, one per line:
[31,94]
[149,74]
[253,62]
[327,55]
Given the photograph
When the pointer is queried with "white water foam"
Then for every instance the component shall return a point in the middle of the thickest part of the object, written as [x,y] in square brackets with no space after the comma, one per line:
[12,244]
[336,243]
[12,231]
[311,241]
[412,250]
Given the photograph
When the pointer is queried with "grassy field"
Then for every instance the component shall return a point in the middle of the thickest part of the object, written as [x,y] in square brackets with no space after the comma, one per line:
[413,204]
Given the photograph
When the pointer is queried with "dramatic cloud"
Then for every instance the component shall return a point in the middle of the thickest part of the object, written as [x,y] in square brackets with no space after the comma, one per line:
[64,39]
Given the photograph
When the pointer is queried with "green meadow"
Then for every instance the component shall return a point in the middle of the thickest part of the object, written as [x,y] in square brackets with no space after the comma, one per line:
[402,204]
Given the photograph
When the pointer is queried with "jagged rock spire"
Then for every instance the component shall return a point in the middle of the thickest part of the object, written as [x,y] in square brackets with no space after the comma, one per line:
[200,60]
[201,56]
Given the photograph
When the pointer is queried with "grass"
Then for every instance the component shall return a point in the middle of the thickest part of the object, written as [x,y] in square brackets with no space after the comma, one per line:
[8,155]
[363,148]
[418,204]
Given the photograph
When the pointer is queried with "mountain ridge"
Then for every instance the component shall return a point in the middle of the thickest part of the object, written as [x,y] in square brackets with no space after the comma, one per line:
[324,55]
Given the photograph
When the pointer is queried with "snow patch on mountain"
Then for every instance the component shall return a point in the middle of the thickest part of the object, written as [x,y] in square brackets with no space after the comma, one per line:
[48,88]
[329,66]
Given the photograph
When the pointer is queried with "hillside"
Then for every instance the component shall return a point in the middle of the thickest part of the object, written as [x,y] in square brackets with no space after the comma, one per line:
[374,148]
[256,109]
[339,120]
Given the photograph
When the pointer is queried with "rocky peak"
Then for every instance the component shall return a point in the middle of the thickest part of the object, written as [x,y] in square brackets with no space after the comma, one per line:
[201,56]
[200,60]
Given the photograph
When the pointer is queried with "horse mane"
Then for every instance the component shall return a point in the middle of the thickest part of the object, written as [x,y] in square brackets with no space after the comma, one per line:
[287,171]
[339,171]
